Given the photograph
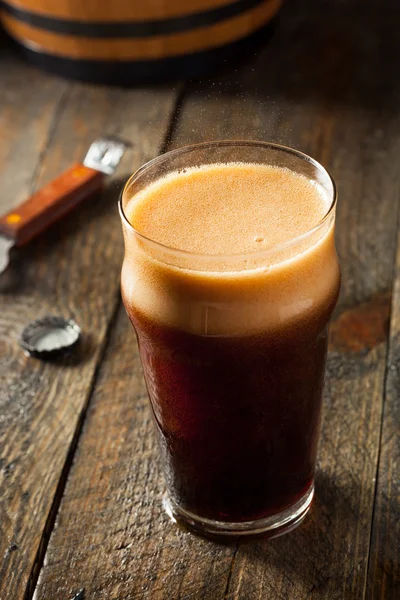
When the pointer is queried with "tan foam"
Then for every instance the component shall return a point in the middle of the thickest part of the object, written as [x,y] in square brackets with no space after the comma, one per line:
[225,209]
[229,209]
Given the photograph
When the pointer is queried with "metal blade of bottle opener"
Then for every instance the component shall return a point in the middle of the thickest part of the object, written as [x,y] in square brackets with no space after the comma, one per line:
[60,196]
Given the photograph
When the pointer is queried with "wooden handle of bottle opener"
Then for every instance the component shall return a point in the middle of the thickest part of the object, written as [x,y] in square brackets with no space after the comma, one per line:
[50,203]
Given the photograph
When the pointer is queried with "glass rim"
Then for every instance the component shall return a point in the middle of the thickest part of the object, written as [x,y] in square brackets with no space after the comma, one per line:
[226,143]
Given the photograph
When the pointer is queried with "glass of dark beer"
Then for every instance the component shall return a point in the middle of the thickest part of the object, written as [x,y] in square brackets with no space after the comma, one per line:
[230,278]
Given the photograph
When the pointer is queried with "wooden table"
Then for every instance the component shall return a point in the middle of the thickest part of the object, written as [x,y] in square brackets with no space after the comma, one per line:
[80,486]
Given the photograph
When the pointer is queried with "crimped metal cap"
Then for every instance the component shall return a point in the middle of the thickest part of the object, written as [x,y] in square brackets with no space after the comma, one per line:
[50,336]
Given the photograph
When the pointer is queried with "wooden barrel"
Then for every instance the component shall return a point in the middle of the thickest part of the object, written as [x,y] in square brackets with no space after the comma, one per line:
[135,41]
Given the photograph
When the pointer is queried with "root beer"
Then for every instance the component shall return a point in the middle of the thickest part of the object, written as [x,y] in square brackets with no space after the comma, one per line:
[229,279]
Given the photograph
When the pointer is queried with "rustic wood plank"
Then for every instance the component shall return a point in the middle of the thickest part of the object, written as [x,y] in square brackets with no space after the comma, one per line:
[72,270]
[384,565]
[111,536]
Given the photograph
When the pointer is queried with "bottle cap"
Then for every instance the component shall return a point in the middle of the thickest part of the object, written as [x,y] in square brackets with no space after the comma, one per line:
[50,336]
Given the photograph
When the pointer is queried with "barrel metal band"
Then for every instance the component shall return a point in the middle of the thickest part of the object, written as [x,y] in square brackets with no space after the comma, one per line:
[130,29]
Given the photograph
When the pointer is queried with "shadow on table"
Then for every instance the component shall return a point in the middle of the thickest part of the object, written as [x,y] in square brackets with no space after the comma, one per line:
[320,557]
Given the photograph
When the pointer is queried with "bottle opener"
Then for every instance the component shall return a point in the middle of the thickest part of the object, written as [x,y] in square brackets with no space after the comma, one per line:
[60,196]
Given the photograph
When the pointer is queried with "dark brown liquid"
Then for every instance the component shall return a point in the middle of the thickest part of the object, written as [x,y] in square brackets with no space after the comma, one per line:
[238,418]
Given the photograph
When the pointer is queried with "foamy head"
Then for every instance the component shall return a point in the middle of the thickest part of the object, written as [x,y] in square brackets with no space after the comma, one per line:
[227,208]
[225,249]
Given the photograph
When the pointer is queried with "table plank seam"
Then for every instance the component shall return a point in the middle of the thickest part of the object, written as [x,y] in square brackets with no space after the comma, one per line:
[174,118]
[389,346]
[57,114]
[230,572]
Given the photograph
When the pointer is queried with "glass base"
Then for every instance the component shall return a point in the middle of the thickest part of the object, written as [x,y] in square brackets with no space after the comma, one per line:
[269,527]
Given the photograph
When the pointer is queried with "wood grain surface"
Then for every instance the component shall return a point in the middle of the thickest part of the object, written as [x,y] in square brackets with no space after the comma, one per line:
[384,571]
[72,270]
[112,538]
